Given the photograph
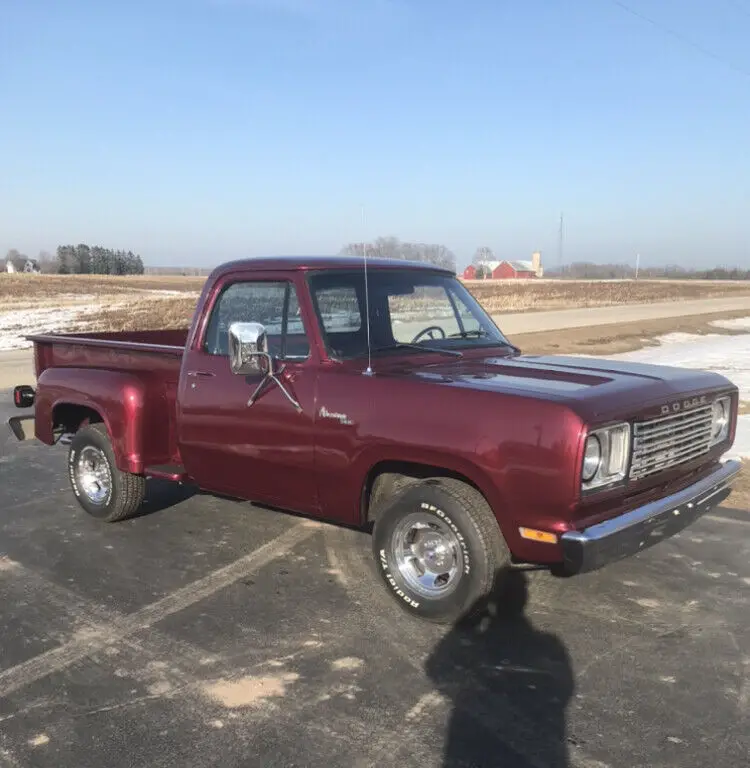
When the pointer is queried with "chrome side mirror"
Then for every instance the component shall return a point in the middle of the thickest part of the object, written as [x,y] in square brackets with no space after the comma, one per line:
[248,349]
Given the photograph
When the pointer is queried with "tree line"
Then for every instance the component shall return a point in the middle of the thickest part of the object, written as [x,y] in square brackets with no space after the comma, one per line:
[95,260]
[584,270]
[80,259]
[393,248]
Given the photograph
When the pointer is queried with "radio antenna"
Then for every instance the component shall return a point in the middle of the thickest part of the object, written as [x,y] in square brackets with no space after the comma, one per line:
[368,372]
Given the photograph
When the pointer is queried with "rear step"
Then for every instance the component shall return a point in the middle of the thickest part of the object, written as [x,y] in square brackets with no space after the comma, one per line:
[174,472]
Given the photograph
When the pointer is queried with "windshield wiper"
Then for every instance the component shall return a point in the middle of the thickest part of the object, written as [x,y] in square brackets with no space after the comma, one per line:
[475,333]
[405,345]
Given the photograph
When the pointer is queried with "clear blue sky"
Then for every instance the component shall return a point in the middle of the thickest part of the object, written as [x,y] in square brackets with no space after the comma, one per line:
[193,131]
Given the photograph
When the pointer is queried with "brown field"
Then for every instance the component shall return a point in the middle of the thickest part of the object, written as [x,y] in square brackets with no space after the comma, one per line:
[498,296]
[141,314]
[622,337]
[32,288]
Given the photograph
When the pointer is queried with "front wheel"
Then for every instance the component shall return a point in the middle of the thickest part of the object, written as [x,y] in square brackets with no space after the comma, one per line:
[439,549]
[104,491]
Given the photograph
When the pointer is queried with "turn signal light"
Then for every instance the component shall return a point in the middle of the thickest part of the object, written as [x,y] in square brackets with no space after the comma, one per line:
[534,535]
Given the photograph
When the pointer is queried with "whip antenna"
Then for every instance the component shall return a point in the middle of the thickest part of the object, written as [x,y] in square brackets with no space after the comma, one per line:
[368,372]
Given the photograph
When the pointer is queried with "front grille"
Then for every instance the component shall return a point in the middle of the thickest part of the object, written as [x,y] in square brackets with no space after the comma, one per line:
[669,441]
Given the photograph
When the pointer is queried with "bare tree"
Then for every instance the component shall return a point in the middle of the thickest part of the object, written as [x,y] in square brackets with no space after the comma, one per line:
[482,255]
[47,263]
[393,248]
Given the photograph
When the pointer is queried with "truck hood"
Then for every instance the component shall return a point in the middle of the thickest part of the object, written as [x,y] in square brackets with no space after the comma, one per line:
[597,390]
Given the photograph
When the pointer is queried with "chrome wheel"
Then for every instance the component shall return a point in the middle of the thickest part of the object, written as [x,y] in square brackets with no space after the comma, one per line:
[94,474]
[428,554]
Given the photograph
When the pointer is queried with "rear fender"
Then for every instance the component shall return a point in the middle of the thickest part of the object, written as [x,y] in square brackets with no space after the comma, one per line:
[120,400]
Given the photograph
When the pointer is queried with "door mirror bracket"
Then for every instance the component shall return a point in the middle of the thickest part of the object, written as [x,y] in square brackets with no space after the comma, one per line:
[249,355]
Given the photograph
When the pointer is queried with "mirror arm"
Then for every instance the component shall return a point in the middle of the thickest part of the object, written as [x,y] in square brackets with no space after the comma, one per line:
[271,376]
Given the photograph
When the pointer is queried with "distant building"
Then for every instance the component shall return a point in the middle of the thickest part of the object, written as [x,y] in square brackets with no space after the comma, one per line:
[29,265]
[514,270]
[536,261]
[506,270]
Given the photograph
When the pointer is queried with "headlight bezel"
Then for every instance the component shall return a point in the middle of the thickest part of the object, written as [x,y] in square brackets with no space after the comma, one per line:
[588,476]
[614,444]
[725,419]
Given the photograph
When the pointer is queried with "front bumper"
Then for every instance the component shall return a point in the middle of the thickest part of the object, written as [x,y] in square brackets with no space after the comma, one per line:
[641,528]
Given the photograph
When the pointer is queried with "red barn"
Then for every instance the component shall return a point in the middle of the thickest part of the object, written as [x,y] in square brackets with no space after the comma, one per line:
[514,270]
[470,273]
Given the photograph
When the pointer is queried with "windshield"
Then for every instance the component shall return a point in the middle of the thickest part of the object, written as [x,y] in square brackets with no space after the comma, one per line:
[429,310]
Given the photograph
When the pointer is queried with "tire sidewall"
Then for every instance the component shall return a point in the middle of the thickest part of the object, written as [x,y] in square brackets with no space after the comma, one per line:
[429,498]
[93,437]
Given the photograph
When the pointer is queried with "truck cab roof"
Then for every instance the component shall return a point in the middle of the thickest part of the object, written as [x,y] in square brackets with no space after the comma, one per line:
[305,263]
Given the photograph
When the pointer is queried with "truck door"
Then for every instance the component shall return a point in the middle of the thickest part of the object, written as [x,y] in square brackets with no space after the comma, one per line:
[264,451]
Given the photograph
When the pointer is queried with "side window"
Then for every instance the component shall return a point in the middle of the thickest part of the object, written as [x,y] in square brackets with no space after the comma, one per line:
[273,304]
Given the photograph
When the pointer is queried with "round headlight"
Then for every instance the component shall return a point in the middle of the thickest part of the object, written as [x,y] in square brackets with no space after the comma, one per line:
[720,417]
[592,458]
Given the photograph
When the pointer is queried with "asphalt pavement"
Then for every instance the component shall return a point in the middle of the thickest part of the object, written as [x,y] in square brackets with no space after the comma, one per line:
[210,632]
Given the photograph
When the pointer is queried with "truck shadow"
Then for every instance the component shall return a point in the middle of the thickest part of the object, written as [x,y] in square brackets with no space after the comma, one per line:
[163,494]
[508,684]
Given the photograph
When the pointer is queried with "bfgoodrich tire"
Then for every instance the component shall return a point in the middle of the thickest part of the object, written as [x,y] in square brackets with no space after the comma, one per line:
[103,491]
[438,548]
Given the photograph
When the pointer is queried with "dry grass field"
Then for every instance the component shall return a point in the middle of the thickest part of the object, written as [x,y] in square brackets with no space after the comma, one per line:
[155,301]
[21,288]
[498,296]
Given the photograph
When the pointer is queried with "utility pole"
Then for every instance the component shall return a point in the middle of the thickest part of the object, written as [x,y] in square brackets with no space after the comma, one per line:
[560,245]
[637,264]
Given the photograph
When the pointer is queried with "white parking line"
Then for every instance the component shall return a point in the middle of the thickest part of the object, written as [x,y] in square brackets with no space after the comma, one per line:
[733,520]
[98,636]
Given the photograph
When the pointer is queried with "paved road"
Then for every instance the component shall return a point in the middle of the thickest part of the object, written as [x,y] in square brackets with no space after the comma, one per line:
[16,367]
[533,322]
[209,632]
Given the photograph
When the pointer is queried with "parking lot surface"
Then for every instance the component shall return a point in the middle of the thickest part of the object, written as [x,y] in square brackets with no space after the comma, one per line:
[209,632]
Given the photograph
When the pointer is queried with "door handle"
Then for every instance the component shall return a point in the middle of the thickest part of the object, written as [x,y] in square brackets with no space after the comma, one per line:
[201,374]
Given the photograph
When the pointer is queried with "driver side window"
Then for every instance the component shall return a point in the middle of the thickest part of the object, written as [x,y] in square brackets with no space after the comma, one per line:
[273,304]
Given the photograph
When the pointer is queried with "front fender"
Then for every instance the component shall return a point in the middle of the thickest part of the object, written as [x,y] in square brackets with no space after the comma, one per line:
[369,460]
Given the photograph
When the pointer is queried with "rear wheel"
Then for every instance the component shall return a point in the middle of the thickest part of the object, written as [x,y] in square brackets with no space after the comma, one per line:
[104,491]
[440,550]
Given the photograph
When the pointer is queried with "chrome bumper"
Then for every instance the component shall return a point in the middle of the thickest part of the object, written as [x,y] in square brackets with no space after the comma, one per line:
[641,528]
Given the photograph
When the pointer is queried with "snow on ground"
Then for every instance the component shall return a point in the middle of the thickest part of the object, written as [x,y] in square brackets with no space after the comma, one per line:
[70,310]
[19,323]
[737,324]
[726,355]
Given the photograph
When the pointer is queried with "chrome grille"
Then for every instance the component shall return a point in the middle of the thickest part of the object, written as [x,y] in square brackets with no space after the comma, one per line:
[668,441]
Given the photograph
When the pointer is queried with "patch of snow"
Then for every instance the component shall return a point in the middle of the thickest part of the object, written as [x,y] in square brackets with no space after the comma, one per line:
[162,292]
[737,324]
[16,324]
[741,447]
[726,355]
[19,323]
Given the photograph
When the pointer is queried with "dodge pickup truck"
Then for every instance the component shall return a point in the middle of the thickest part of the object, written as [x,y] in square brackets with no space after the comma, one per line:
[382,395]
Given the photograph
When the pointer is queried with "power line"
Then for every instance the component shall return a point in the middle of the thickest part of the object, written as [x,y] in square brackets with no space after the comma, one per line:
[678,36]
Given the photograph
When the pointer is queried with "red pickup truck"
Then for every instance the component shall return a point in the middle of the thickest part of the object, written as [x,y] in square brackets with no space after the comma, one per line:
[384,396]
